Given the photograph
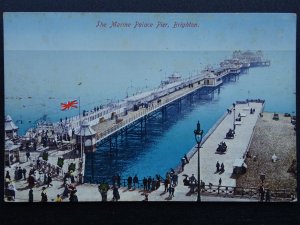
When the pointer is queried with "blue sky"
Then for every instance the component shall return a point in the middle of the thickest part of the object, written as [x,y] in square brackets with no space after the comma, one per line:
[78,31]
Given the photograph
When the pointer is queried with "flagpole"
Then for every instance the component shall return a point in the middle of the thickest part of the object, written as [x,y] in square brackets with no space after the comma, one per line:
[81,153]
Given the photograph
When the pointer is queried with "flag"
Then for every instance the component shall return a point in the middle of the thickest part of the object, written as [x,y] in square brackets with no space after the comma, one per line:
[68,105]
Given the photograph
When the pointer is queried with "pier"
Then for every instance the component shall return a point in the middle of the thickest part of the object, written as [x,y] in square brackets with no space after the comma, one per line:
[115,119]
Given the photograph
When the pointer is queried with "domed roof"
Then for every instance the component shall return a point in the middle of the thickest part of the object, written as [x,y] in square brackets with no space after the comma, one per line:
[210,75]
[85,129]
[9,124]
[8,118]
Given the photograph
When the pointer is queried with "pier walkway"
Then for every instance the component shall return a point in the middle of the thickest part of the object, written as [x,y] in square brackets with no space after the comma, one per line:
[108,127]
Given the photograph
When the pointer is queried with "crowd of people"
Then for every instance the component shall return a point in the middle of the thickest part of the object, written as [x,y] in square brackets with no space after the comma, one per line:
[40,174]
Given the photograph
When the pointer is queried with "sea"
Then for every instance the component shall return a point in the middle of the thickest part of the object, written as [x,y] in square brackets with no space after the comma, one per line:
[37,82]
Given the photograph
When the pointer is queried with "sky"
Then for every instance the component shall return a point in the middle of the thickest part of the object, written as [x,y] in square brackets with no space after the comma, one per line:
[213,31]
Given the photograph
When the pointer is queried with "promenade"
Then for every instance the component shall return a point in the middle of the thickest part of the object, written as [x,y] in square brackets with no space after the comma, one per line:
[235,149]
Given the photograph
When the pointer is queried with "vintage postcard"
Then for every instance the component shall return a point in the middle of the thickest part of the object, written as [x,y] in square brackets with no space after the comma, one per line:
[150,107]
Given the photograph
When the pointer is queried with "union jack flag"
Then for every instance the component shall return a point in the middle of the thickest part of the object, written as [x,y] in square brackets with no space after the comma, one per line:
[69,105]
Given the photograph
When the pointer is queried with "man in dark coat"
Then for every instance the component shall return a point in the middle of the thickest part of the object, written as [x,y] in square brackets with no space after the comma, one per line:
[49,180]
[116,195]
[44,195]
[30,194]
[24,173]
[145,183]
[218,166]
[129,181]
[166,184]
[220,181]
[135,180]
[222,168]
[27,155]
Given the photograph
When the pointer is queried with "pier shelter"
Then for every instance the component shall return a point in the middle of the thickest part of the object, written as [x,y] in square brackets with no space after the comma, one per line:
[12,152]
[211,80]
[10,128]
[88,137]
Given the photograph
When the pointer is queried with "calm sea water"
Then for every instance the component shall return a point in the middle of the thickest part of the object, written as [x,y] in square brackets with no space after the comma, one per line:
[37,82]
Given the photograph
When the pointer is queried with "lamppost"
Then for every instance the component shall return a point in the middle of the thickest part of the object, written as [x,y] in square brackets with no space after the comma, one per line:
[198,137]
[233,104]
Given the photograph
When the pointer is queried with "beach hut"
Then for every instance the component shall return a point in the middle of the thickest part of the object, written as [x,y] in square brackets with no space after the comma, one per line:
[10,128]
[88,137]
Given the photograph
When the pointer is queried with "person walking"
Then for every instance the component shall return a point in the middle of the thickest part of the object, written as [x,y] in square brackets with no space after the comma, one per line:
[20,173]
[27,155]
[129,182]
[30,195]
[49,180]
[153,184]
[172,190]
[218,166]
[222,168]
[116,195]
[166,184]
[262,193]
[220,181]
[30,181]
[145,184]
[135,180]
[72,177]
[24,173]
[44,195]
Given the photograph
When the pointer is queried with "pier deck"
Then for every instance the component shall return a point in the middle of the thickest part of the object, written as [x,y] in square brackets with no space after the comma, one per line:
[108,127]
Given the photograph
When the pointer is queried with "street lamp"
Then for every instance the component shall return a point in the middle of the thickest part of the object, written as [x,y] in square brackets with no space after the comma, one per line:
[198,137]
[233,104]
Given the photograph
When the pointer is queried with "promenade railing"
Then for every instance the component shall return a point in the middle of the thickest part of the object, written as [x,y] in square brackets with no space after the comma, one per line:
[212,190]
